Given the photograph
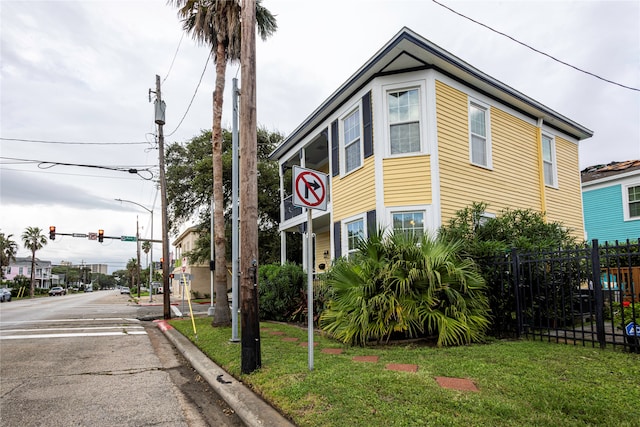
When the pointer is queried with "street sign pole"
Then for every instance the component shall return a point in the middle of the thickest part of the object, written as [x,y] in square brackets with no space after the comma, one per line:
[310,288]
[310,191]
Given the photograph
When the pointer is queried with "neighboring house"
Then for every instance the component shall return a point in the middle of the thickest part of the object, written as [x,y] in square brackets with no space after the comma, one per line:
[200,273]
[417,134]
[21,266]
[611,201]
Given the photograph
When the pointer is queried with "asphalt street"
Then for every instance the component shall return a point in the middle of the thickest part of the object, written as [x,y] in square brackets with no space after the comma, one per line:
[87,360]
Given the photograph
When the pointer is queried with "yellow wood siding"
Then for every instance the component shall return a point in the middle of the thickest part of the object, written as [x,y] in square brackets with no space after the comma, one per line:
[323,244]
[513,180]
[354,193]
[407,181]
[564,204]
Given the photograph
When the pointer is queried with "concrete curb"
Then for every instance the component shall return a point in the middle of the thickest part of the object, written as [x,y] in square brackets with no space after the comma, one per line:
[251,409]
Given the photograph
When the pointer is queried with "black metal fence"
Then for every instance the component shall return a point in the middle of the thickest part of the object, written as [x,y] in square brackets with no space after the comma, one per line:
[582,296]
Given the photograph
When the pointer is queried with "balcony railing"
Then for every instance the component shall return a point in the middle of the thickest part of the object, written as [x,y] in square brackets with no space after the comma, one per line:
[291,211]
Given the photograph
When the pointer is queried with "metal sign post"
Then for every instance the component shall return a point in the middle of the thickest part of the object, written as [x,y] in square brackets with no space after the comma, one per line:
[310,191]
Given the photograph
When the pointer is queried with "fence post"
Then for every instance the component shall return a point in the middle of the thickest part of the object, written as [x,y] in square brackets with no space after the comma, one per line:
[515,274]
[597,291]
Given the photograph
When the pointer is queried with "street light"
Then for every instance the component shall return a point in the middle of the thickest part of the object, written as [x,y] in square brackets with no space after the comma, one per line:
[151,263]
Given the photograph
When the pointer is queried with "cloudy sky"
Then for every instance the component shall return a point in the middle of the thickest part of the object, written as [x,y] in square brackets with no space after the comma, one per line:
[77,75]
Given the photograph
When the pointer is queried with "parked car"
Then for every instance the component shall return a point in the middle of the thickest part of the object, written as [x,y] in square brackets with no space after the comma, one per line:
[5,294]
[125,290]
[57,290]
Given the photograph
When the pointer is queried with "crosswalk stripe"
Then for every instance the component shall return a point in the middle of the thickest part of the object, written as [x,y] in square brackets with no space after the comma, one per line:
[84,334]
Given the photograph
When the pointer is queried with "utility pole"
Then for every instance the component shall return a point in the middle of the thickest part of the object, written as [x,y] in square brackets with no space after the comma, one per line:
[138,254]
[159,110]
[250,341]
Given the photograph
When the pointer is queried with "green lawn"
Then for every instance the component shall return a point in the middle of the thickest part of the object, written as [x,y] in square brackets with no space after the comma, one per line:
[521,383]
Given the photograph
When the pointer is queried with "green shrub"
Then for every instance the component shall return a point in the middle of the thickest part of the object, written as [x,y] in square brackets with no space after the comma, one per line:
[404,286]
[279,290]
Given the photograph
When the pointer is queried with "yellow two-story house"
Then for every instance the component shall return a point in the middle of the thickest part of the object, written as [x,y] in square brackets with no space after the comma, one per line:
[417,134]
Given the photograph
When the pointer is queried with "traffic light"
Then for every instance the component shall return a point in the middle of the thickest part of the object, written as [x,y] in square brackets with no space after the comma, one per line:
[52,232]
[100,236]
[171,276]
[161,259]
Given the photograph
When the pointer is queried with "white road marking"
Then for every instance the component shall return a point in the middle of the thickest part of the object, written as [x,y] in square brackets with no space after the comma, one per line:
[79,328]
[87,334]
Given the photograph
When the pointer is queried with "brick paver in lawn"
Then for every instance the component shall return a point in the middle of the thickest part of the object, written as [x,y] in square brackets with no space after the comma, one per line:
[403,367]
[306,344]
[331,351]
[289,339]
[456,383]
[372,359]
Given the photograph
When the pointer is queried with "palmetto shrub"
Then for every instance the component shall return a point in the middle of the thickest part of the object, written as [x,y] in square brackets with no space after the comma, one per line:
[408,286]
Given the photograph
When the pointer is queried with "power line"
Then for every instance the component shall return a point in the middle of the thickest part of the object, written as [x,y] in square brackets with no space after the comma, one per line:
[42,164]
[174,58]
[62,173]
[73,142]
[536,50]
[193,97]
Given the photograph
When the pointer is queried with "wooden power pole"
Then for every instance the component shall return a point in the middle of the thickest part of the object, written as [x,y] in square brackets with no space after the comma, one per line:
[166,261]
[250,322]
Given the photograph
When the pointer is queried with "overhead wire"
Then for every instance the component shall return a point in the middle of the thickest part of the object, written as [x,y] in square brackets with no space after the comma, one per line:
[43,164]
[41,141]
[536,50]
[174,58]
[193,97]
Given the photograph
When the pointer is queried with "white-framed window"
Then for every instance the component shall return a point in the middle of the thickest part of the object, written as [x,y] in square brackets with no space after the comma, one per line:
[352,140]
[549,161]
[404,121]
[353,230]
[409,222]
[479,134]
[631,196]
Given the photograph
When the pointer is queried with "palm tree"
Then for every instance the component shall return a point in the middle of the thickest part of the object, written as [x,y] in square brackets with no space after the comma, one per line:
[217,23]
[132,268]
[8,251]
[34,240]
[404,285]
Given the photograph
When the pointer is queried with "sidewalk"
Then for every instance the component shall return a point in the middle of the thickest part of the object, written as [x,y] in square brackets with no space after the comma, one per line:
[253,411]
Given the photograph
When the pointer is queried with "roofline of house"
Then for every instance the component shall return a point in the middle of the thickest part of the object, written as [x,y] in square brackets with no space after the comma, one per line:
[462,71]
[184,234]
[609,178]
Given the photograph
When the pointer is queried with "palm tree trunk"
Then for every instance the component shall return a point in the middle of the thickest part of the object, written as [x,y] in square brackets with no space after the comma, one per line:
[32,291]
[222,314]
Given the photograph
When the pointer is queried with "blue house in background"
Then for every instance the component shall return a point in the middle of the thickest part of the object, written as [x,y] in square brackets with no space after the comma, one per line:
[611,201]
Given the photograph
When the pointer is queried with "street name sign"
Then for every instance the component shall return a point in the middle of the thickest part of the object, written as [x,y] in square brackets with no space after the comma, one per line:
[128,238]
[310,188]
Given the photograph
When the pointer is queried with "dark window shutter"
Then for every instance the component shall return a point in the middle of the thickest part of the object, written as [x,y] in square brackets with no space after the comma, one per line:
[371,223]
[337,236]
[335,147]
[366,125]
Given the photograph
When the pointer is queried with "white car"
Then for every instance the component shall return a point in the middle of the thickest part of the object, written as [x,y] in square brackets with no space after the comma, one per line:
[5,294]
[125,290]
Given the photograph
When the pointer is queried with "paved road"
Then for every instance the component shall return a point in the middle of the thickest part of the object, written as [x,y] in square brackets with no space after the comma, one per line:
[87,360]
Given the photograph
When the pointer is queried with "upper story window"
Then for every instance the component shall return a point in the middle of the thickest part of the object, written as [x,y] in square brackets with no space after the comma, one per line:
[549,161]
[633,201]
[479,135]
[410,223]
[404,121]
[355,232]
[352,141]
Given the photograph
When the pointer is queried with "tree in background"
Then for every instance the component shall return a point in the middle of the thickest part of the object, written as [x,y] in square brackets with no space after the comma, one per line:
[34,240]
[189,181]
[8,251]
[132,268]
[216,23]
